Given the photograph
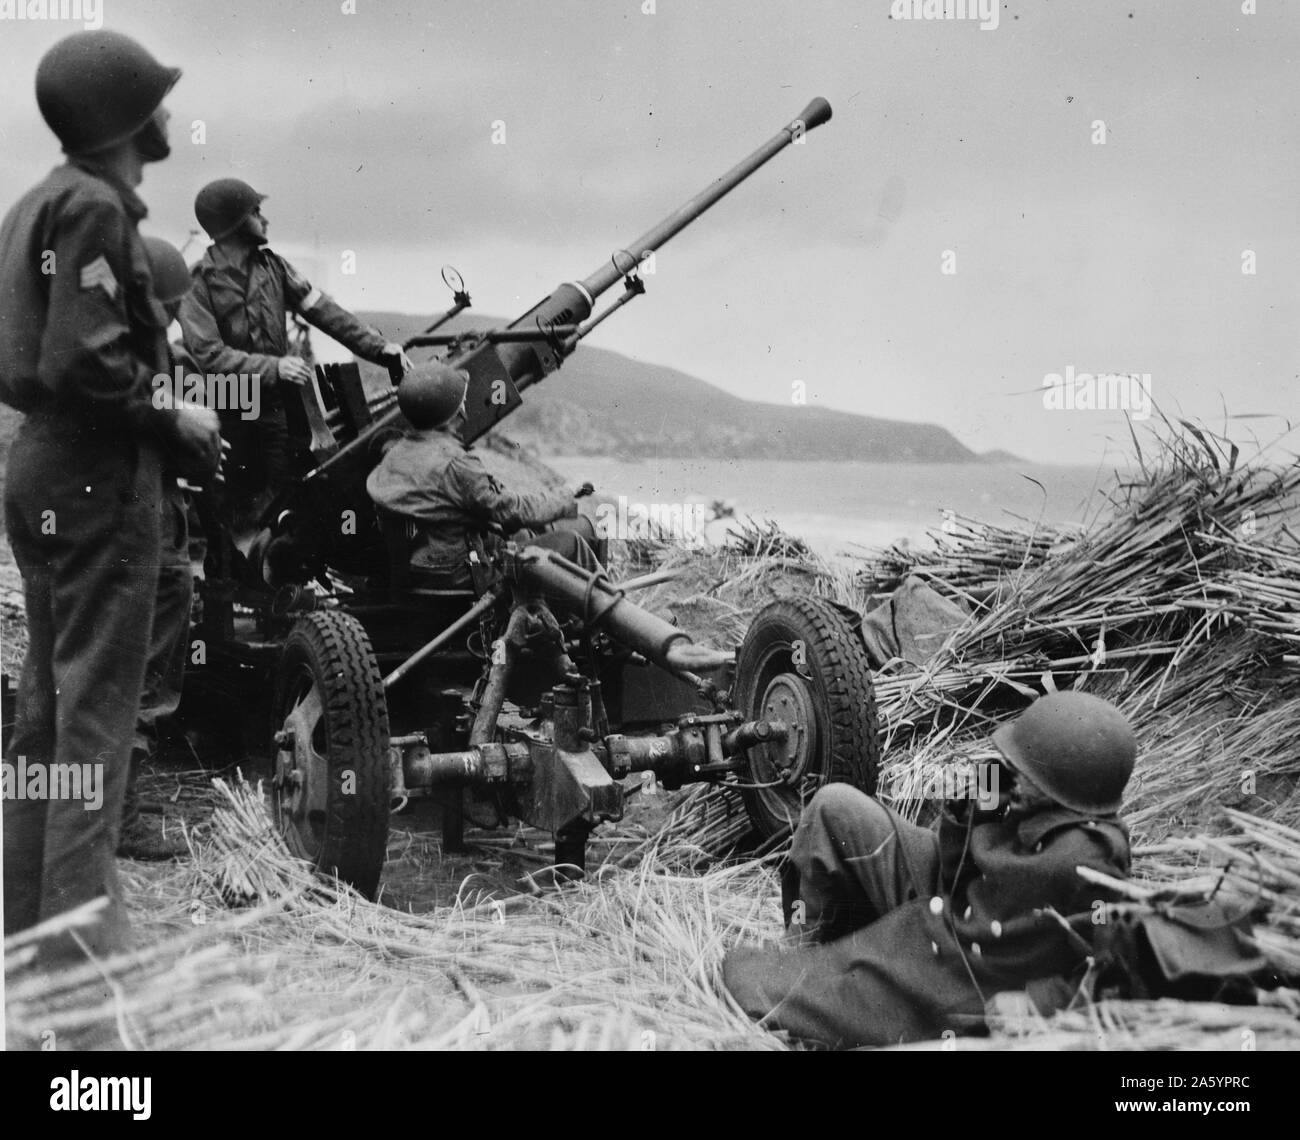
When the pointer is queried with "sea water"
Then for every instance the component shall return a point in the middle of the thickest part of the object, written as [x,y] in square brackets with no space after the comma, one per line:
[843,507]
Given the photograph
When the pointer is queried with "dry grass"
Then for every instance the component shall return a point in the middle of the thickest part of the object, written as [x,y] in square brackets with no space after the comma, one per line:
[259,954]
[1164,603]
[249,950]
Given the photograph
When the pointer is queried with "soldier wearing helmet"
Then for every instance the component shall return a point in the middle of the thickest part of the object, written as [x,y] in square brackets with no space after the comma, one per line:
[142,836]
[902,933]
[82,337]
[457,506]
[234,322]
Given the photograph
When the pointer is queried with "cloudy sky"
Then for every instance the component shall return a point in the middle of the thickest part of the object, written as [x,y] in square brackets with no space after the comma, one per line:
[372,132]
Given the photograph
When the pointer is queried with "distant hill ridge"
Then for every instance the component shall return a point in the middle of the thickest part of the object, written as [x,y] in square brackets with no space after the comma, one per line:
[604,403]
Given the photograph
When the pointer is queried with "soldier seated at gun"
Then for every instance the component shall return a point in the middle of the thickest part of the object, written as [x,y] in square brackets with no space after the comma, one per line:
[901,933]
[234,321]
[429,477]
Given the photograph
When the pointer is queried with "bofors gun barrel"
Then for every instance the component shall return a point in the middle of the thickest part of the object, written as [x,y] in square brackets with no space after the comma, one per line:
[600,603]
[553,326]
[573,301]
[814,115]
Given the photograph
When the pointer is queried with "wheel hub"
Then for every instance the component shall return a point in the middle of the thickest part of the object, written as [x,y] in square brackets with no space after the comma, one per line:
[787,699]
[300,776]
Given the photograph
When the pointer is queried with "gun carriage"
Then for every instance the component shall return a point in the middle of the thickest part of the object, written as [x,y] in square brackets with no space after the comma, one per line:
[544,691]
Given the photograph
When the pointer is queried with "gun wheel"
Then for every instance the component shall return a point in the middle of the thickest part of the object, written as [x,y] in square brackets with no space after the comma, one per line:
[803,663]
[330,790]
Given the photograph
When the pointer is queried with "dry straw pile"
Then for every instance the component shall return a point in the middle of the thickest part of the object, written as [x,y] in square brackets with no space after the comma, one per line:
[1181,601]
[251,951]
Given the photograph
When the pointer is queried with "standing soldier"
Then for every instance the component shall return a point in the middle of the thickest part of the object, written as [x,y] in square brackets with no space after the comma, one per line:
[81,340]
[234,321]
[169,642]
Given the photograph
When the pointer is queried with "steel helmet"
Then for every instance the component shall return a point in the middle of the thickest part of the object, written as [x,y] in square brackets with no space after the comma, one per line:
[171,276]
[222,205]
[1078,748]
[430,394]
[98,89]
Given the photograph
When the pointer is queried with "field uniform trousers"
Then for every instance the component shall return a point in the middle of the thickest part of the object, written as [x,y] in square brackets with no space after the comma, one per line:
[569,539]
[260,464]
[169,640]
[852,861]
[81,511]
[854,868]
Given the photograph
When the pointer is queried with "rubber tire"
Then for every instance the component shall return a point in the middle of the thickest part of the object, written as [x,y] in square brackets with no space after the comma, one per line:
[335,649]
[838,678]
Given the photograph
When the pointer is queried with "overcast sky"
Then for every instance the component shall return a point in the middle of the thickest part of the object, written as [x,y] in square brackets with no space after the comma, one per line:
[373,132]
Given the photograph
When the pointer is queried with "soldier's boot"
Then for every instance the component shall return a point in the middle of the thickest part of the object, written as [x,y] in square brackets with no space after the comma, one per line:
[142,836]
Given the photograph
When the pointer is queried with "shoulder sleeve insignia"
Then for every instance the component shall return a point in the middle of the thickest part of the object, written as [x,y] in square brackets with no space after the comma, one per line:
[99,275]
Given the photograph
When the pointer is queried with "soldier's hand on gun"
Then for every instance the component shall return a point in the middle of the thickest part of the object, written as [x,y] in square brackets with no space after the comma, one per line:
[395,357]
[294,370]
[583,491]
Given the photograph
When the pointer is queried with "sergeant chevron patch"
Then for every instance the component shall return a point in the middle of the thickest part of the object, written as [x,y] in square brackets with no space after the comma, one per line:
[99,275]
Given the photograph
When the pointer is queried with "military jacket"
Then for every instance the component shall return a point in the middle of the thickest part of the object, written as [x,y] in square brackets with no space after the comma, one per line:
[430,478]
[234,317]
[81,336]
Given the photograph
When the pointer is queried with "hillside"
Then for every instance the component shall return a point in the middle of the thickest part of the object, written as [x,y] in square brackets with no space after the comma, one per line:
[605,403]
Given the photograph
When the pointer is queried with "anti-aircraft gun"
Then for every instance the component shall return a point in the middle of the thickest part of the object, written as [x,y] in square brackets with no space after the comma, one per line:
[544,692]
